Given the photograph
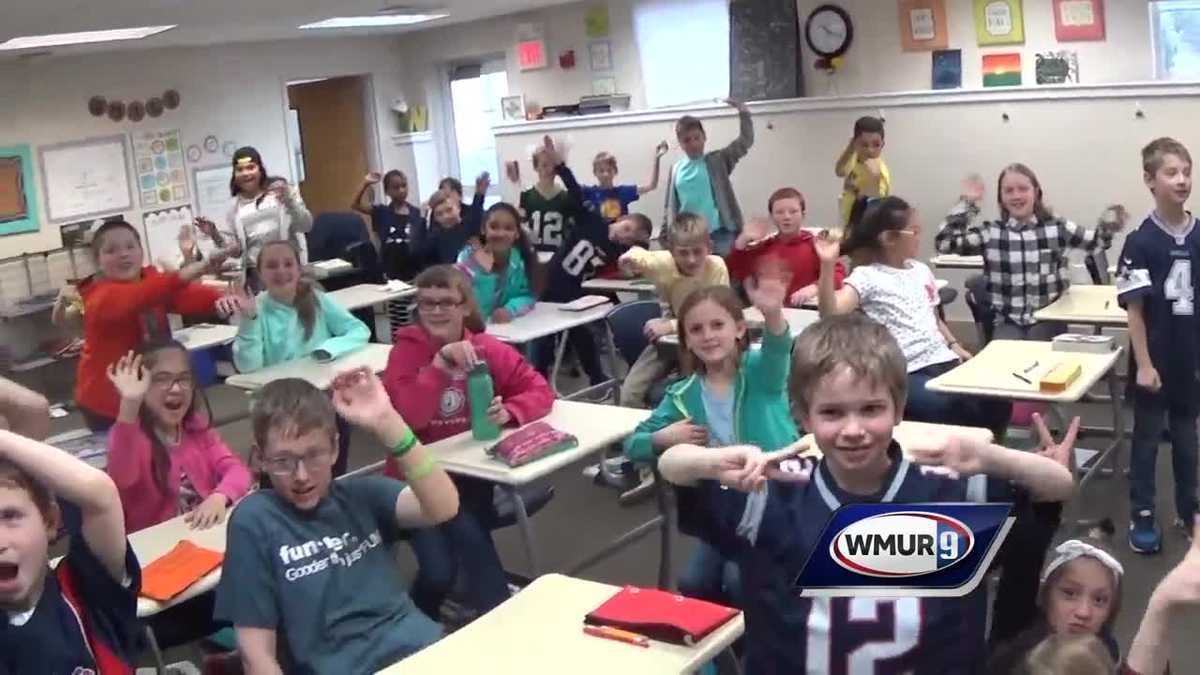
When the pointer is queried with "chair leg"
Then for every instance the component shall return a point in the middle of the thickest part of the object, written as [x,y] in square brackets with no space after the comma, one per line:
[160,665]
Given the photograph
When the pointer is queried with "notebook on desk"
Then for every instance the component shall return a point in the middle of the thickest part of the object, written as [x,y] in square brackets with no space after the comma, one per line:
[586,302]
[660,615]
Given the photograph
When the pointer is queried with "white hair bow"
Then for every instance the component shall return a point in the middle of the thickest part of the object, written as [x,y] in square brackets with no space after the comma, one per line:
[1074,548]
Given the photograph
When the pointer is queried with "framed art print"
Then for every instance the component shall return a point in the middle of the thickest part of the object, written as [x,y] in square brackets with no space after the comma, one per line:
[923,25]
[1078,20]
[999,22]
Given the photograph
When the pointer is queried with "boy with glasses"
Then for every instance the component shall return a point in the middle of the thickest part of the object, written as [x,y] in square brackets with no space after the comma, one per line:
[301,554]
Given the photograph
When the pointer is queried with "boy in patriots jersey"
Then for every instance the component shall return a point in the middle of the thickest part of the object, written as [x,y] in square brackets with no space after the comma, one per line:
[80,616]
[1155,286]
[848,386]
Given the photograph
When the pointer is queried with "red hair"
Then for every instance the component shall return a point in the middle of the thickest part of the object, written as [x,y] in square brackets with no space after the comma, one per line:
[786,193]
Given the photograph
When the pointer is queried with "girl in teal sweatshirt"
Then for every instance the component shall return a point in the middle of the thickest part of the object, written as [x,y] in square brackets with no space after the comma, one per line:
[291,319]
[503,269]
[734,396]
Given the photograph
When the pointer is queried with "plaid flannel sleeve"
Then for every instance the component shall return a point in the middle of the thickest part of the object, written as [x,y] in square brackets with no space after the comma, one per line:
[958,233]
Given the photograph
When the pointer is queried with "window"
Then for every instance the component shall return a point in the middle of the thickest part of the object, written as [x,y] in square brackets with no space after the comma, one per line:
[475,93]
[1175,34]
[684,49]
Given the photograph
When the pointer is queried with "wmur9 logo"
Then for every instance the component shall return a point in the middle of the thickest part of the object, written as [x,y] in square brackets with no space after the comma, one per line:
[898,550]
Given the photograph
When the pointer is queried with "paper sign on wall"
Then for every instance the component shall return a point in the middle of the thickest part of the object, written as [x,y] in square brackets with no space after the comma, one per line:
[162,232]
[85,179]
[158,161]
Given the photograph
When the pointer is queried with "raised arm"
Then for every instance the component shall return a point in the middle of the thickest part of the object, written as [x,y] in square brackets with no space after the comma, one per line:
[1045,477]
[23,411]
[1111,221]
[738,148]
[845,161]
[430,497]
[958,234]
[362,201]
[830,299]
[88,488]
[659,151]
[1151,648]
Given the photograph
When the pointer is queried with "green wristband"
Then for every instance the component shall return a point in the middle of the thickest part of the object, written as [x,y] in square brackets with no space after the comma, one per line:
[421,470]
[406,443]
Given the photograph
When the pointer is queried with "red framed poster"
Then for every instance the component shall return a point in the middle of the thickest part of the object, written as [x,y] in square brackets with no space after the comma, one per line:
[1078,20]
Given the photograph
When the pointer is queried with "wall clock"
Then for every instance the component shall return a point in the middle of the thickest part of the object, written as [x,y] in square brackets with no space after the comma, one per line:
[828,31]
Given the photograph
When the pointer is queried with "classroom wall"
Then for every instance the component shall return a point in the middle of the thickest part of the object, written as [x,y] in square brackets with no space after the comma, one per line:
[426,54]
[233,91]
[875,62]
[1084,143]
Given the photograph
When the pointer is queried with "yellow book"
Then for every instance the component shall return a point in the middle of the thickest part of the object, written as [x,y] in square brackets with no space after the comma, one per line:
[1060,377]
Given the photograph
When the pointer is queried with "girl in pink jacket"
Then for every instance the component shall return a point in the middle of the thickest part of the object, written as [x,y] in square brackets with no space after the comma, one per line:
[162,453]
[426,380]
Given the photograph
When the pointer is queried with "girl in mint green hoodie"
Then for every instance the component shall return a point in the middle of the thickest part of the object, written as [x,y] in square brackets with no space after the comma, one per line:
[503,269]
[734,396]
[291,319]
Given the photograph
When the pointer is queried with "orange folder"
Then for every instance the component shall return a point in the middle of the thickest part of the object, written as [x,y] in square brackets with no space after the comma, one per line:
[177,569]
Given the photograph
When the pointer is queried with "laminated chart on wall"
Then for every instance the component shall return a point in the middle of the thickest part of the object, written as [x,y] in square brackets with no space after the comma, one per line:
[213,200]
[85,179]
[18,203]
[162,232]
[158,163]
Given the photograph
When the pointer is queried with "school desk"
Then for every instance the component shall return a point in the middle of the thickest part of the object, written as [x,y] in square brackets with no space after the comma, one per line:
[204,335]
[366,295]
[998,369]
[595,426]
[372,355]
[642,288]
[798,319]
[539,631]
[1086,304]
[952,261]
[547,319]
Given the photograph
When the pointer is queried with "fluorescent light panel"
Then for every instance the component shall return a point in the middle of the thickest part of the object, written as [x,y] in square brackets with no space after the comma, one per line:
[373,21]
[60,39]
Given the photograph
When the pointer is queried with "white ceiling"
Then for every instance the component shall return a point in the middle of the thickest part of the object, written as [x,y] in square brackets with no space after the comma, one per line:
[207,22]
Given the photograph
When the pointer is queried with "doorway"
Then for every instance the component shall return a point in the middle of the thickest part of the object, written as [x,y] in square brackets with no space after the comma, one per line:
[475,93]
[328,120]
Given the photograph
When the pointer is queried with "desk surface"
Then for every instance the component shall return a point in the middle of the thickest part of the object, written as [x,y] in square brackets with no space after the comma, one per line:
[638,285]
[365,295]
[1087,304]
[906,433]
[539,631]
[373,355]
[952,261]
[545,319]
[990,372]
[153,542]
[205,335]
[595,425]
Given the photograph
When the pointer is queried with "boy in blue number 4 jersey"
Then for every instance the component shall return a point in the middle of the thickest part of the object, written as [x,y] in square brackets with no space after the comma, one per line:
[848,386]
[1156,287]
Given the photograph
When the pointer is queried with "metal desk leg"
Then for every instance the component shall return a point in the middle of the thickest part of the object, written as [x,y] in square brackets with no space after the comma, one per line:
[727,662]
[159,666]
[560,348]
[665,497]
[531,555]
[1110,454]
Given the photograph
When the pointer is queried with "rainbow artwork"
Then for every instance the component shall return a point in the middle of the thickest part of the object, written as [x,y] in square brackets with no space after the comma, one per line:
[1002,70]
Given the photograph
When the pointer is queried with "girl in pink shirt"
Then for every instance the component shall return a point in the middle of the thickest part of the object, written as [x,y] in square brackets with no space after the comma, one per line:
[162,453]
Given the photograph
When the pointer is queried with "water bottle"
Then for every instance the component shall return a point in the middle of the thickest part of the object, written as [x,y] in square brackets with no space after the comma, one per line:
[479,397]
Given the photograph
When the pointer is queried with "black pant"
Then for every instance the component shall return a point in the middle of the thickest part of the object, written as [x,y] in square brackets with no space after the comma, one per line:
[1020,559]
[580,339]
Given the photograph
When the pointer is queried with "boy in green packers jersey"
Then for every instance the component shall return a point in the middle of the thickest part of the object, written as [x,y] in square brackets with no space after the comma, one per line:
[549,210]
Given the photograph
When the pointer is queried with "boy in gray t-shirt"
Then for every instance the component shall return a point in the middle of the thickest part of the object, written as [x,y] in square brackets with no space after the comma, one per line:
[309,580]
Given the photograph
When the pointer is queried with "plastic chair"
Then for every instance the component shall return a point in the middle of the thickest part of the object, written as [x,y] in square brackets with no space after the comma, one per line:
[946,296]
[333,233]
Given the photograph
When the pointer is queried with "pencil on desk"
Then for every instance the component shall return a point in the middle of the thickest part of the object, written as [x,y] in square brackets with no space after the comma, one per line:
[611,633]
[1022,378]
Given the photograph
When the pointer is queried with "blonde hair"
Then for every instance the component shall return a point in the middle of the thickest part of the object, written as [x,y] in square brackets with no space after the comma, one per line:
[602,158]
[1060,654]
[451,278]
[846,341]
[1156,151]
[687,229]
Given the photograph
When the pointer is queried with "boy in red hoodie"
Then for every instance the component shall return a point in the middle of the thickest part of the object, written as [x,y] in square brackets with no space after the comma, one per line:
[426,380]
[791,247]
[123,306]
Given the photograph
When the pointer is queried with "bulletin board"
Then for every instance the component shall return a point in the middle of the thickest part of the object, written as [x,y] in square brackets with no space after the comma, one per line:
[87,178]
[213,199]
[18,201]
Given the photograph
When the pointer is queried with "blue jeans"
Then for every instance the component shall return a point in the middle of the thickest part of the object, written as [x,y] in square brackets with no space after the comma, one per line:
[709,576]
[461,542]
[1178,405]
[924,405]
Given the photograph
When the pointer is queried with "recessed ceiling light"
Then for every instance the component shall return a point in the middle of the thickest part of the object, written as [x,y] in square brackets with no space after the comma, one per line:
[373,21]
[59,39]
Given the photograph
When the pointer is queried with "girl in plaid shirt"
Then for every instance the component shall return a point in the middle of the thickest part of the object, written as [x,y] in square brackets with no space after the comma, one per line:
[1024,252]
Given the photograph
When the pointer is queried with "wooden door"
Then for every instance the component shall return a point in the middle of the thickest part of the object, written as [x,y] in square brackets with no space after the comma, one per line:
[333,136]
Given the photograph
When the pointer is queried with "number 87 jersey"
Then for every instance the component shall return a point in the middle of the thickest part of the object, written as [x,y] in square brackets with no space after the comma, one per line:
[788,634]
[1156,270]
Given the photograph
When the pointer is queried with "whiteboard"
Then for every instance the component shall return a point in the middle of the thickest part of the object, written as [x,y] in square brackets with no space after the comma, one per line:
[213,200]
[87,178]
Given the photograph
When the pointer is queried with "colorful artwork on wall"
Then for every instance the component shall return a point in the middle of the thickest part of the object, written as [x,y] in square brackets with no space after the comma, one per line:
[1002,70]
[999,22]
[1078,20]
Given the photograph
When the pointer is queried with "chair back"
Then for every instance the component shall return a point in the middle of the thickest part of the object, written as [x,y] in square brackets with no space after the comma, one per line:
[333,233]
[1097,267]
[626,322]
[979,301]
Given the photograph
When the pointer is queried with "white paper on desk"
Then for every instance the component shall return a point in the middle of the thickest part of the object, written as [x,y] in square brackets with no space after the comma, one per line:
[1083,456]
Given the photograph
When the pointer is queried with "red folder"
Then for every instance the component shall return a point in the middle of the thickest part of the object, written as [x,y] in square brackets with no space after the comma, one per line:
[661,615]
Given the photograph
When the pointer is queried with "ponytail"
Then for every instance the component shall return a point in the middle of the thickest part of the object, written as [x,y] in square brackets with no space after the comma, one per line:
[306,305]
